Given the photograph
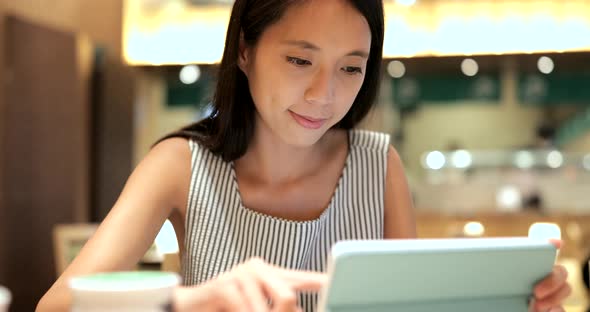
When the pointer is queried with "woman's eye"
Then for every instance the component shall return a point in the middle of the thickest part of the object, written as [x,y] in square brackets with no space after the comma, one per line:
[297,61]
[352,70]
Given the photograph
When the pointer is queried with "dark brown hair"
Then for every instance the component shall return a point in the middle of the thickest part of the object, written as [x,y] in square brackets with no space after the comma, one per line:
[229,129]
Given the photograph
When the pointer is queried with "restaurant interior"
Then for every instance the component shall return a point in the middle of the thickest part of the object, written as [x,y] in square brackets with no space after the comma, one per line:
[486,101]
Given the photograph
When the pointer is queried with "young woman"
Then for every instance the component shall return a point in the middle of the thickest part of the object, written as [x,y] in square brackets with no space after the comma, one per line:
[259,191]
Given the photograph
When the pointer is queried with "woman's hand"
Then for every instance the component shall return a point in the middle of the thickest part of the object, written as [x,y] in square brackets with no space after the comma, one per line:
[249,287]
[552,290]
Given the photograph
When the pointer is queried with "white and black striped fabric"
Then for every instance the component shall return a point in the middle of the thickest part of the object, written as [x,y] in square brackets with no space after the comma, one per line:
[221,232]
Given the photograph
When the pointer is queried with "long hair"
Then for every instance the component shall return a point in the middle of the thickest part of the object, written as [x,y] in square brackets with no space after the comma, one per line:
[228,130]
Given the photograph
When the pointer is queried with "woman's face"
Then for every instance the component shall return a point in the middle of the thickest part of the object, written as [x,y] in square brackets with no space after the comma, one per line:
[307,69]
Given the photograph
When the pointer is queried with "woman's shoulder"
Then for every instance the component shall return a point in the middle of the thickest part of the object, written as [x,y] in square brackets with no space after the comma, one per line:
[172,155]
[179,146]
[162,175]
[369,140]
[191,136]
[171,148]
[187,154]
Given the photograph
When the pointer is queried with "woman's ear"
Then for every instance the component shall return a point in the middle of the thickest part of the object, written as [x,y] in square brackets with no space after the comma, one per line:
[243,54]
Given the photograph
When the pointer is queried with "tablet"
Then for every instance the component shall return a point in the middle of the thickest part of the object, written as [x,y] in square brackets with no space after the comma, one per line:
[420,275]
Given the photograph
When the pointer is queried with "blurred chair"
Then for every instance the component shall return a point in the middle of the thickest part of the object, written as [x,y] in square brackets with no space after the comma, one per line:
[68,240]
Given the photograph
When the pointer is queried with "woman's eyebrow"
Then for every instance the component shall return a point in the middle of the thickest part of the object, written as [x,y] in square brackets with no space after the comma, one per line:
[310,46]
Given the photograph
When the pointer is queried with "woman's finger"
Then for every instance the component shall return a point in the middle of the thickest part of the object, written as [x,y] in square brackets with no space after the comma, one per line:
[551,283]
[553,301]
[304,280]
[282,296]
[558,243]
[252,290]
[230,297]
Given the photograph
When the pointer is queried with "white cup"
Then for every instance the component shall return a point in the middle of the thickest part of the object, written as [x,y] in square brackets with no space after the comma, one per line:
[5,299]
[145,291]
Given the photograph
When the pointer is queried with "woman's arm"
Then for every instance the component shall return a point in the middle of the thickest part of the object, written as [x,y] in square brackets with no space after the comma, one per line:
[158,186]
[399,210]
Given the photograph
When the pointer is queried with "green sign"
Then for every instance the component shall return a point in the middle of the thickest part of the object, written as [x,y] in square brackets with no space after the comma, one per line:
[198,94]
[409,92]
[554,89]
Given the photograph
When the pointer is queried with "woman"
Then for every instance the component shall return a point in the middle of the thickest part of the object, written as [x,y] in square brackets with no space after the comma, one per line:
[276,175]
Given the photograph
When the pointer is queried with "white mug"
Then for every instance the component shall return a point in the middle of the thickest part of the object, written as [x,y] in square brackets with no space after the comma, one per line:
[5,299]
[124,291]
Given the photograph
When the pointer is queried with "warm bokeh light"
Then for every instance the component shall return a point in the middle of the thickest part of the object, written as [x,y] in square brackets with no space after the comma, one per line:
[173,32]
[469,67]
[554,159]
[190,74]
[406,2]
[396,69]
[545,65]
[524,160]
[434,160]
[473,229]
[461,159]
[508,198]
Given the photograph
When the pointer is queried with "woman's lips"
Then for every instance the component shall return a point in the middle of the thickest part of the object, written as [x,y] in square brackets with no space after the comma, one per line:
[308,122]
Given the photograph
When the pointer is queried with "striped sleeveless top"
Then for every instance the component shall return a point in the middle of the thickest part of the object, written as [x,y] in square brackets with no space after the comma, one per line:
[221,232]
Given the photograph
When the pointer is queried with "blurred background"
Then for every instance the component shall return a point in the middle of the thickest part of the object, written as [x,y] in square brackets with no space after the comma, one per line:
[487,102]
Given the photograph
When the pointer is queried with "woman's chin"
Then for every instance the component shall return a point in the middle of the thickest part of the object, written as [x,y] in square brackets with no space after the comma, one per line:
[304,137]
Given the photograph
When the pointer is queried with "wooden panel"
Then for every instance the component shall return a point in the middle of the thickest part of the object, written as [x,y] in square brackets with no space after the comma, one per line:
[3,215]
[45,165]
[113,94]
[101,20]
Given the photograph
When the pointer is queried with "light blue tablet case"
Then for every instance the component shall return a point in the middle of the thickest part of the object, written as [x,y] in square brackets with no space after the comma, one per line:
[443,275]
